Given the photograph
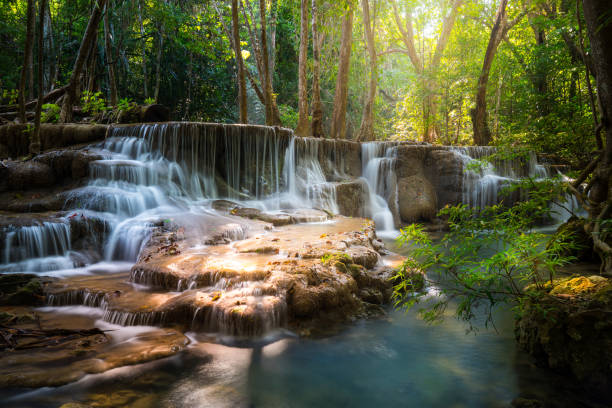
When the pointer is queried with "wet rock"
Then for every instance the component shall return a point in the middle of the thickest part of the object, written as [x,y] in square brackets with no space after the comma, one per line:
[21,289]
[297,276]
[417,199]
[74,359]
[27,175]
[14,140]
[351,197]
[32,201]
[445,172]
[567,326]
[224,205]
[364,256]
[276,219]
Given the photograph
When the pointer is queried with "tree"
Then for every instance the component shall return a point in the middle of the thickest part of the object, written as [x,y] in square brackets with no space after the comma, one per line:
[27,60]
[338,124]
[272,117]
[366,130]
[482,134]
[110,63]
[88,42]
[143,50]
[427,73]
[317,109]
[303,122]
[242,96]
[35,139]
[598,18]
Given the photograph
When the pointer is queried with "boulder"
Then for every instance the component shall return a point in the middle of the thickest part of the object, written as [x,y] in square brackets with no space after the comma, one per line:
[144,114]
[444,169]
[417,199]
[351,198]
[26,175]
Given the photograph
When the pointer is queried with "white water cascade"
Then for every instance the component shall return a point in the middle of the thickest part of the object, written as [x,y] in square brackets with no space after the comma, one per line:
[154,173]
[378,170]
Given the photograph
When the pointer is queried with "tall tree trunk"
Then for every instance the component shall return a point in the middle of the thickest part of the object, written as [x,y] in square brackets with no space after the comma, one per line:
[272,49]
[338,125]
[188,99]
[599,27]
[482,133]
[242,95]
[366,130]
[91,70]
[35,138]
[27,60]
[500,83]
[540,74]
[110,61]
[430,109]
[259,55]
[50,50]
[303,122]
[144,51]
[88,42]
[160,47]
[265,62]
[317,109]
[31,94]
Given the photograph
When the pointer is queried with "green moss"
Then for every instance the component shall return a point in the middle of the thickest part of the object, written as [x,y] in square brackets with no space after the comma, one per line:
[332,258]
[21,289]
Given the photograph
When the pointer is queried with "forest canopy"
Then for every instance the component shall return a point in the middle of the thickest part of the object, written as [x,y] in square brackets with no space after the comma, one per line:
[377,69]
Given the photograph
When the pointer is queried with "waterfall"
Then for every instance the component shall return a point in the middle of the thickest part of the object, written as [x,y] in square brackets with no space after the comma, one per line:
[174,171]
[378,170]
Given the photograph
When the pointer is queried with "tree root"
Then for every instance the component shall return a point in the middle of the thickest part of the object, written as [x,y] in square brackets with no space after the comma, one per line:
[20,339]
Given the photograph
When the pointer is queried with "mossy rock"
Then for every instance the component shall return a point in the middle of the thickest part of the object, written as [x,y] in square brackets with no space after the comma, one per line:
[20,290]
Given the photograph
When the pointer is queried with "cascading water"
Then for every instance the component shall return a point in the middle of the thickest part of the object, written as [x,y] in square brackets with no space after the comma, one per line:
[378,170]
[171,174]
[42,247]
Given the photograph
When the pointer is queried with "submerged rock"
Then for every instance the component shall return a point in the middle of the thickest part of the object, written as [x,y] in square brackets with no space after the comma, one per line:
[73,358]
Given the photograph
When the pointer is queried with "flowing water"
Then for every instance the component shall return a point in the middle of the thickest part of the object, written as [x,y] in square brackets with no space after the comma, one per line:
[174,172]
[396,361]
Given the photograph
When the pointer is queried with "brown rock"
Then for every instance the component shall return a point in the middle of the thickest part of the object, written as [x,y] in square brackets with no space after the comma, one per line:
[417,199]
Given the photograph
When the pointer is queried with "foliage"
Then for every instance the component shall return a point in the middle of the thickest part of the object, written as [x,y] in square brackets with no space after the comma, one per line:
[488,256]
[51,113]
[125,104]
[289,116]
[149,101]
[9,96]
[93,103]
[179,54]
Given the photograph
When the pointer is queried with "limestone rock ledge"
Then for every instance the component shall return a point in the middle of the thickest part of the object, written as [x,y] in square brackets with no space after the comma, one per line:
[296,276]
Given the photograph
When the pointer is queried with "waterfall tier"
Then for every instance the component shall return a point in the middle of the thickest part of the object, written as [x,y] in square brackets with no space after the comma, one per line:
[163,206]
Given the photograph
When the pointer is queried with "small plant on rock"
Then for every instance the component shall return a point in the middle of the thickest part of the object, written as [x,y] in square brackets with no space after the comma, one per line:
[51,113]
[93,103]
